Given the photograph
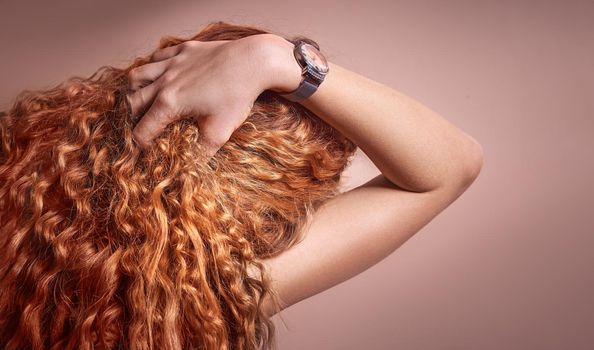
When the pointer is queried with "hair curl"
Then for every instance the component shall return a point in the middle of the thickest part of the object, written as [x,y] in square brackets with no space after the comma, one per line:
[105,246]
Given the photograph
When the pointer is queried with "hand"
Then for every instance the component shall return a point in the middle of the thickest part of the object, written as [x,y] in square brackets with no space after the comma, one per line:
[217,81]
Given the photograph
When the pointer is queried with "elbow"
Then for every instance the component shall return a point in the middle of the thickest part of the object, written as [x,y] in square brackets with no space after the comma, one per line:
[468,165]
[474,163]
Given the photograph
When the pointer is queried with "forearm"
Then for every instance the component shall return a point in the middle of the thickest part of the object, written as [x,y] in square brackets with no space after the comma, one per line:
[413,147]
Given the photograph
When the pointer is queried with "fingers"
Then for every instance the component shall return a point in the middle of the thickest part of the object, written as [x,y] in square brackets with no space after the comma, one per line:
[166,53]
[149,72]
[140,99]
[155,120]
[214,134]
[217,130]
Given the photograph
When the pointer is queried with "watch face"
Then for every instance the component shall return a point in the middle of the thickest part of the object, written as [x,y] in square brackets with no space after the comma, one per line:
[314,57]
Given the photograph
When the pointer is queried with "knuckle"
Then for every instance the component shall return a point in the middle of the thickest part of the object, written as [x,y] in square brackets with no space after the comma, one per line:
[177,59]
[133,73]
[166,97]
[190,43]
[168,77]
[185,45]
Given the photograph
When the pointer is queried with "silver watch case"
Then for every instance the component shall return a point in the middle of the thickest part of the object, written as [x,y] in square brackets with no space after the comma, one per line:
[314,68]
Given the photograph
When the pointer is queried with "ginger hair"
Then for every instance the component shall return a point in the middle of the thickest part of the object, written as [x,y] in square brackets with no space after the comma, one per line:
[107,246]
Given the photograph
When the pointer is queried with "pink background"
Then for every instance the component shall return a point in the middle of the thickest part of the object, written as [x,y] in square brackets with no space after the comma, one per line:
[510,265]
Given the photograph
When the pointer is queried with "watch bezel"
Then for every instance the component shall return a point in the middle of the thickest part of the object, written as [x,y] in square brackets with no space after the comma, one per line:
[309,66]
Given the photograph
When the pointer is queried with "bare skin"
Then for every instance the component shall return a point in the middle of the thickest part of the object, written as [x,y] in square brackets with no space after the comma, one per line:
[210,79]
[426,163]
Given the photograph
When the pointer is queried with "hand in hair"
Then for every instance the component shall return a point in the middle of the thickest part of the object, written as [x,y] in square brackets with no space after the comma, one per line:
[217,81]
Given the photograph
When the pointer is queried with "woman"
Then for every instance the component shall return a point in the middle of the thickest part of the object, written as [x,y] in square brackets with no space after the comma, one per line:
[181,202]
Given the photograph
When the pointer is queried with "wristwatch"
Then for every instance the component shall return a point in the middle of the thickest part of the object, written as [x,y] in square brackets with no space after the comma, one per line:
[314,68]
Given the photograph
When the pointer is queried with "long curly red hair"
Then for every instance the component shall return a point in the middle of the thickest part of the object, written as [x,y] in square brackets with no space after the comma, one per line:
[106,246]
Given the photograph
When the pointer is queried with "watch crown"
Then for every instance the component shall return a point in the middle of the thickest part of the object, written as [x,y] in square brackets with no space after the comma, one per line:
[314,68]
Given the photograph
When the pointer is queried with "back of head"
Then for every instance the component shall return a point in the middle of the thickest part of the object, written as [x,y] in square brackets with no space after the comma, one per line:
[107,246]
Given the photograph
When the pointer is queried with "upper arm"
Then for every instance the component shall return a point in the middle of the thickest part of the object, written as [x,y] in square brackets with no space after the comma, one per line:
[350,233]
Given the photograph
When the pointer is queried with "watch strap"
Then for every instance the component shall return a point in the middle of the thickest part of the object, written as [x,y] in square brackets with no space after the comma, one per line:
[305,89]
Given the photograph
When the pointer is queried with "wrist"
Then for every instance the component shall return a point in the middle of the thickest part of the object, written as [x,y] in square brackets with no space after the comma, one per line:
[281,71]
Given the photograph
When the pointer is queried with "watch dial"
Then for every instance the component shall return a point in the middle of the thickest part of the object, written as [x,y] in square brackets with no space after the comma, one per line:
[313,56]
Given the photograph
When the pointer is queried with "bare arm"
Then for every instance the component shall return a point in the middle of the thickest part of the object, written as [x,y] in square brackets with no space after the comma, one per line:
[426,163]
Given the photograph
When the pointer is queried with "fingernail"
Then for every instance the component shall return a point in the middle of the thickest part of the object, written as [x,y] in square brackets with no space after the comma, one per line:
[129,106]
[136,140]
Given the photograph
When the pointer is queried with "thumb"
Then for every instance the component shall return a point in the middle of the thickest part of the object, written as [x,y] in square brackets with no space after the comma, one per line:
[214,133]
[216,130]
